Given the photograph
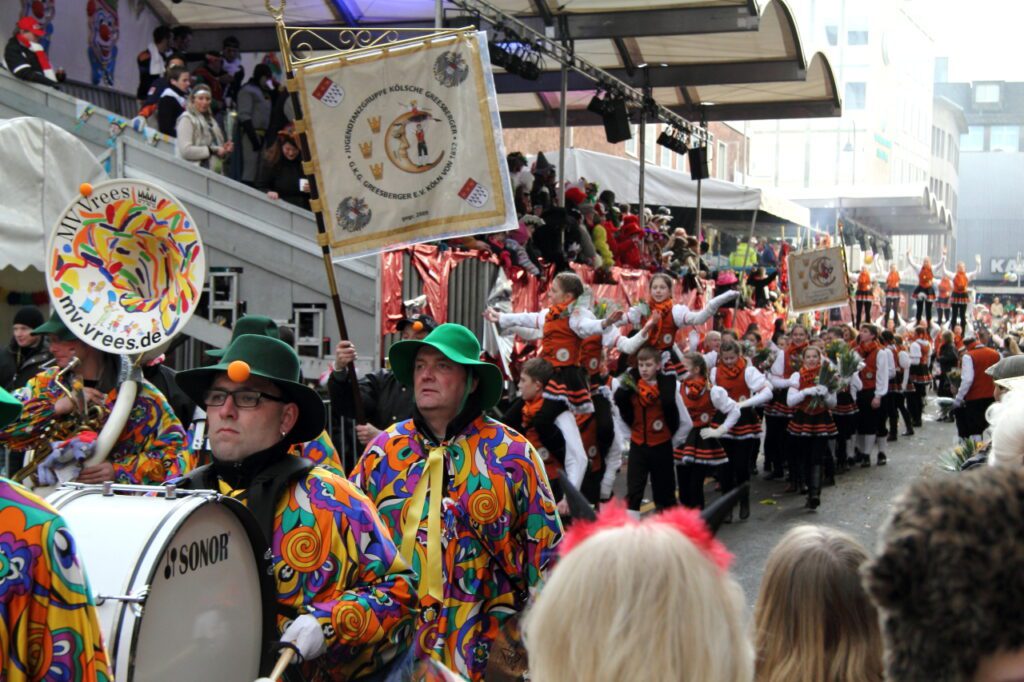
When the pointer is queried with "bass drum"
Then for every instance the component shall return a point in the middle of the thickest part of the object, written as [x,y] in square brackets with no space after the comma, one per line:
[176,577]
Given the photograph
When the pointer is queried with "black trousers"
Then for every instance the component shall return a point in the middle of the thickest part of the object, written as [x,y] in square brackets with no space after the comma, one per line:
[740,451]
[892,305]
[970,419]
[775,442]
[926,306]
[591,486]
[941,314]
[656,464]
[863,312]
[915,401]
[959,310]
[691,481]
[897,406]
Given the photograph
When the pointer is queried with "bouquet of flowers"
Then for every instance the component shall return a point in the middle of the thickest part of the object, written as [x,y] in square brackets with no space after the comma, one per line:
[829,378]
[953,376]
[763,359]
[957,458]
[627,380]
[846,359]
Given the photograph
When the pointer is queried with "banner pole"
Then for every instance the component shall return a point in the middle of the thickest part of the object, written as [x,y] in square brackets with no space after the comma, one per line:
[322,238]
[846,267]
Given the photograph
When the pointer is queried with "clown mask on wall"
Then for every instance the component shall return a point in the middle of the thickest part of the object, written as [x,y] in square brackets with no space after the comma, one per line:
[43,12]
[103,33]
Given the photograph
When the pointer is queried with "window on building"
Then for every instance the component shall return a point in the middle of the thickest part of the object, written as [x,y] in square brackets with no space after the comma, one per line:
[665,156]
[649,142]
[986,93]
[721,169]
[974,140]
[832,35]
[632,141]
[1004,138]
[857,37]
[856,96]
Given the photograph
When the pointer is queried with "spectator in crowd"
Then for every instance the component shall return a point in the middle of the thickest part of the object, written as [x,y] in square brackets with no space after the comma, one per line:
[596,619]
[759,282]
[26,57]
[949,579]
[152,61]
[813,619]
[211,73]
[22,359]
[281,171]
[173,100]
[157,87]
[199,137]
[255,101]
[233,70]
[181,41]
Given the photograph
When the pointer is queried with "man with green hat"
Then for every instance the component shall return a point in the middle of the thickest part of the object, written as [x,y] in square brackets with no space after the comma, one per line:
[345,599]
[44,589]
[151,446]
[464,496]
[319,450]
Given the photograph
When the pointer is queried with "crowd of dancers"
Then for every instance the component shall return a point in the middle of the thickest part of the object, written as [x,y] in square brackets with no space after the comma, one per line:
[698,406]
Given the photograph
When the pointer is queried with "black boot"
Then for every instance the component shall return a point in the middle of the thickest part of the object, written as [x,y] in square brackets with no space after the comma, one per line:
[908,432]
[882,459]
[814,487]
[865,461]
[745,506]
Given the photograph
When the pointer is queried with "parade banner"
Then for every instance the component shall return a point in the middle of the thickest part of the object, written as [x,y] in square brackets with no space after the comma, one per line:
[405,143]
[817,280]
[125,266]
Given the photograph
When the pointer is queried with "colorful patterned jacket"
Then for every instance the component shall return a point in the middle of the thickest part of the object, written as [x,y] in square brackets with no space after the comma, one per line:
[333,558]
[320,451]
[50,628]
[499,530]
[151,447]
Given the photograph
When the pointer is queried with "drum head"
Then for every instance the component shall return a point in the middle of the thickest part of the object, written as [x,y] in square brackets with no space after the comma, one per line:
[204,612]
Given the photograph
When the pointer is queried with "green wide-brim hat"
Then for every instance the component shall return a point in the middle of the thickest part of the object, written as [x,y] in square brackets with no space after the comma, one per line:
[55,326]
[250,324]
[271,359]
[10,408]
[459,345]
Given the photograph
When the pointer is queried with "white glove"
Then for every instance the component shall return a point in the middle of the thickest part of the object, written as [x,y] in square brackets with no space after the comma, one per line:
[744,403]
[958,403]
[820,390]
[307,636]
[708,433]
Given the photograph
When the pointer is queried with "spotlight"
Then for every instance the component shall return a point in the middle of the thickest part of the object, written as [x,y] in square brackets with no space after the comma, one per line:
[597,105]
[532,65]
[498,55]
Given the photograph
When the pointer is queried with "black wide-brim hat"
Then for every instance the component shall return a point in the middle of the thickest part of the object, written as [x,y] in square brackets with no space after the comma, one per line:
[271,359]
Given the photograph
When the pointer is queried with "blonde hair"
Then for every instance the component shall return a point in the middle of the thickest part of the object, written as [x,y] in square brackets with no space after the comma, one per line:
[602,617]
[1007,429]
[814,620]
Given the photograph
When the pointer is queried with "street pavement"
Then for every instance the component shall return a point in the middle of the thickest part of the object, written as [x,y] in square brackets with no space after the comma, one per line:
[859,504]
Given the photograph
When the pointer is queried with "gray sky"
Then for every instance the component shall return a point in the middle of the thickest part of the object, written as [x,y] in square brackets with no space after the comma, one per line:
[983,39]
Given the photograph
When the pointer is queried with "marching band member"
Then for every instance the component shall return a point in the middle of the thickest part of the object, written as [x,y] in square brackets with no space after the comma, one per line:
[452,469]
[50,626]
[899,385]
[569,453]
[749,389]
[892,294]
[924,294]
[600,440]
[961,297]
[888,357]
[151,447]
[920,352]
[778,412]
[977,389]
[651,407]
[844,414]
[874,385]
[942,302]
[345,599]
[671,317]
[564,326]
[811,426]
[319,451]
[712,413]
[864,294]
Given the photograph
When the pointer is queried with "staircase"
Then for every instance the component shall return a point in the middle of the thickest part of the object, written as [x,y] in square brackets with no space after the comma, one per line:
[273,242]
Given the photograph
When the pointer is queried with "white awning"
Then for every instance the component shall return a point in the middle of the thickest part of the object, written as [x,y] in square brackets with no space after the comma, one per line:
[43,167]
[886,209]
[666,187]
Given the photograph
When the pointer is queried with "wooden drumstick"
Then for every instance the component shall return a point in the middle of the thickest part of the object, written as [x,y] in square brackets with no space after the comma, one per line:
[282,662]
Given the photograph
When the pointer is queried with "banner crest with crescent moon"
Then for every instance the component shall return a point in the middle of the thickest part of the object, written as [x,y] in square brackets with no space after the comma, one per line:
[406,144]
[817,280]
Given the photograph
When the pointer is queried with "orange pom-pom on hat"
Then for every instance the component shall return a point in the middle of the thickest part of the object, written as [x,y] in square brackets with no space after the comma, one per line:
[239,371]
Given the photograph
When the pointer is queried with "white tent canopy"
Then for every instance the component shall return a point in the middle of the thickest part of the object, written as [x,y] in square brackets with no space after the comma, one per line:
[667,187]
[43,167]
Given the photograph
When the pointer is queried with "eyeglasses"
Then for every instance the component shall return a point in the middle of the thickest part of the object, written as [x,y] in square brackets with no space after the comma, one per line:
[243,399]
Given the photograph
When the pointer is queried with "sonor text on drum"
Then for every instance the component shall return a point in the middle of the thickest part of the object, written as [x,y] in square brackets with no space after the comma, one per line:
[196,555]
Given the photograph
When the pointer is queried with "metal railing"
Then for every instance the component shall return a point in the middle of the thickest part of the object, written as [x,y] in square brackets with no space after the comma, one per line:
[114,101]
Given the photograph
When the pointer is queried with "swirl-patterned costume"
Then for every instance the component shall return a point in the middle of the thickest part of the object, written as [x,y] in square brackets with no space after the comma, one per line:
[320,452]
[499,528]
[151,447]
[50,630]
[334,558]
